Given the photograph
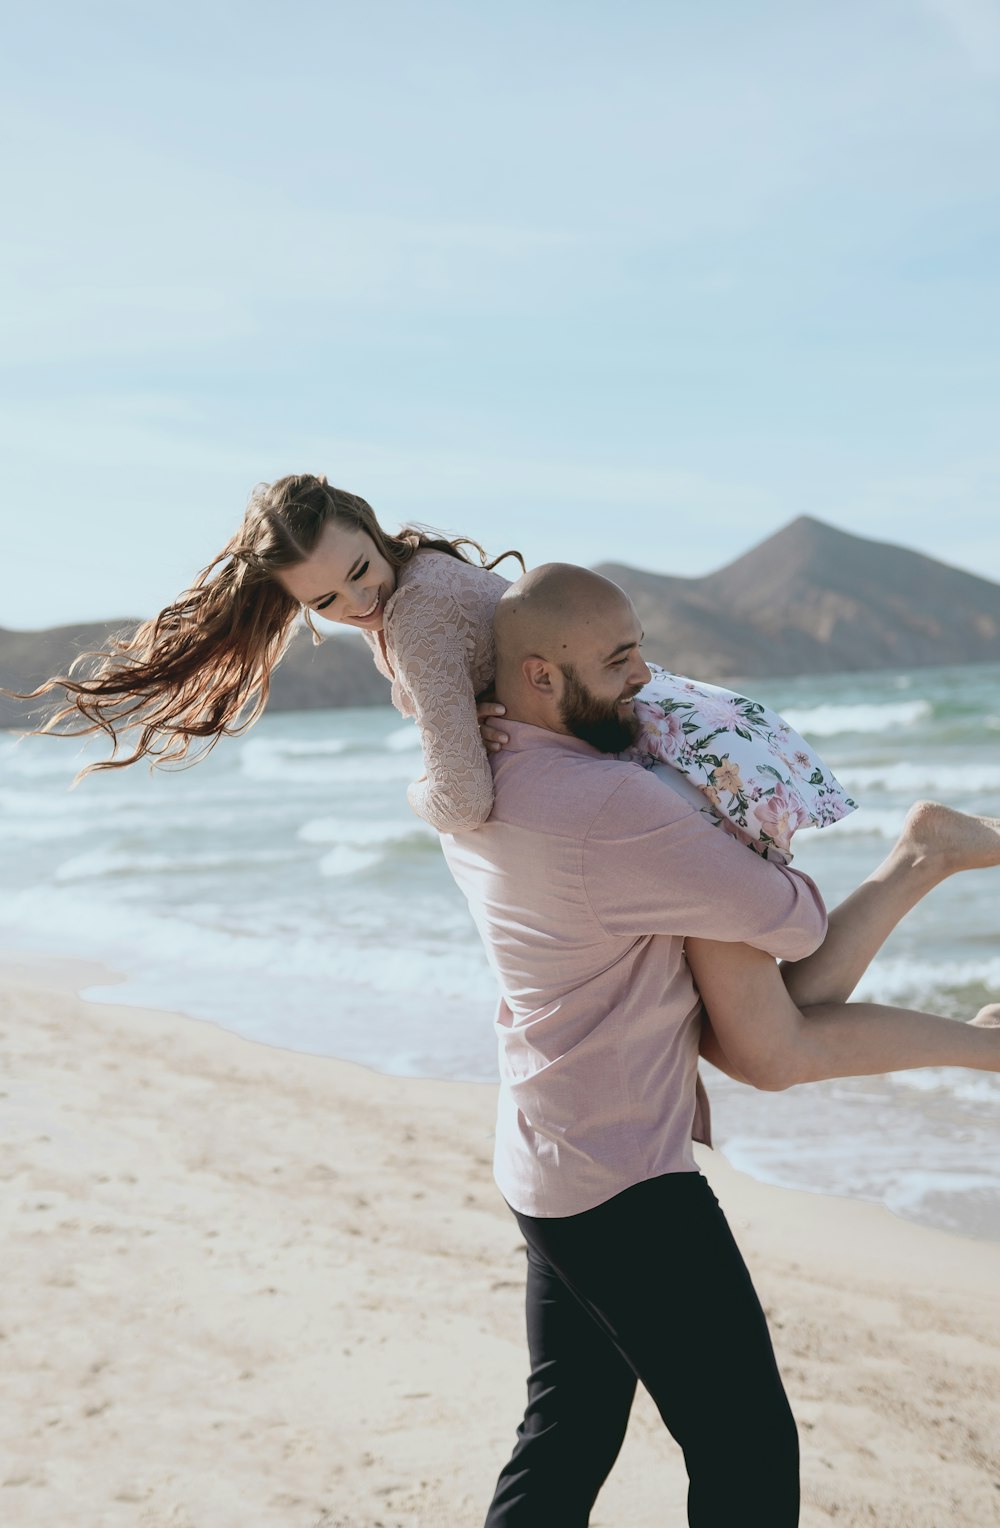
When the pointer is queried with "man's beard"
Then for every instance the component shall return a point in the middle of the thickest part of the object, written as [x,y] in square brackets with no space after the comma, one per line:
[598,722]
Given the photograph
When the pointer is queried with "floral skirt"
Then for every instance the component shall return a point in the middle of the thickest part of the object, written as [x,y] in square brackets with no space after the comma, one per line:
[756,777]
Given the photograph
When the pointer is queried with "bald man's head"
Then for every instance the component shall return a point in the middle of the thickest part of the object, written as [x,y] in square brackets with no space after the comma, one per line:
[567,642]
[553,609]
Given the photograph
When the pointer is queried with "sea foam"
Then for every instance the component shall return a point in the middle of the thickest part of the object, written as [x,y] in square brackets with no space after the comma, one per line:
[828,721]
[361,832]
[326,766]
[912,777]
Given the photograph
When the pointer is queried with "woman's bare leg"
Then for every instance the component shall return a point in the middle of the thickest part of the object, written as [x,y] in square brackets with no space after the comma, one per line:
[757,1033]
[936,842]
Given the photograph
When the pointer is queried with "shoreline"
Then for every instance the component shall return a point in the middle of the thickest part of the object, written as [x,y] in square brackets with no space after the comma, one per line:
[800,1118]
[268,1288]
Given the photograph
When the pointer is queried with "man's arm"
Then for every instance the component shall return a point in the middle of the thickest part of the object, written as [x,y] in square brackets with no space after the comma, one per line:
[655,865]
[710,1046]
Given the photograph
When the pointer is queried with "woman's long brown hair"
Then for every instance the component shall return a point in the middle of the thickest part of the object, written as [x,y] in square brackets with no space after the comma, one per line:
[201,669]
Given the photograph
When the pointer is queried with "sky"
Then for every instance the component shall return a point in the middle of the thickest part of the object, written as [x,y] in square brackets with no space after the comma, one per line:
[637,282]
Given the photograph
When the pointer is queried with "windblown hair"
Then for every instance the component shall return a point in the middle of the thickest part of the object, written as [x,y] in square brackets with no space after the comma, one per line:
[202,667]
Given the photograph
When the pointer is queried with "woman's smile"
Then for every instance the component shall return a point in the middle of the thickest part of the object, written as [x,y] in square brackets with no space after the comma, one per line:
[372,611]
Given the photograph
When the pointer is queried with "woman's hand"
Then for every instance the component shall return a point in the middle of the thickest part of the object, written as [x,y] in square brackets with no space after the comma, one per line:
[487,711]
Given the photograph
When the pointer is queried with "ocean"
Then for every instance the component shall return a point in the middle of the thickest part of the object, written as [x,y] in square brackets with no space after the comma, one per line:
[283,889]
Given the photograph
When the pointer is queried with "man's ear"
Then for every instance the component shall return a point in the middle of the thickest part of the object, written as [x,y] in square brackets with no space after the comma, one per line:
[538,676]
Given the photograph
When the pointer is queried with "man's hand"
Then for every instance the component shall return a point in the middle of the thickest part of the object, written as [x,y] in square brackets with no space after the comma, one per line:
[493,739]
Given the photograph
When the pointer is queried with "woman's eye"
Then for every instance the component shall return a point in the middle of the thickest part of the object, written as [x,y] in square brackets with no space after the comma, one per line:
[359,574]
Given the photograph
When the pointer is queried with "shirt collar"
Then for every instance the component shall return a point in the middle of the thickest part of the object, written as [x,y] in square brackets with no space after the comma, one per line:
[524,736]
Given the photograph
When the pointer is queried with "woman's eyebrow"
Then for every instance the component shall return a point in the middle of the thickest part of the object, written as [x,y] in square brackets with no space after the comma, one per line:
[333,591]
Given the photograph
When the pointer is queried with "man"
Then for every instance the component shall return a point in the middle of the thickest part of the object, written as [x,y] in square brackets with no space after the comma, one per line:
[583,883]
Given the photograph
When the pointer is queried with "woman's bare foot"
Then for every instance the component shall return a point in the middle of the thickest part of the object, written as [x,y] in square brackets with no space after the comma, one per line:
[988,1017]
[948,840]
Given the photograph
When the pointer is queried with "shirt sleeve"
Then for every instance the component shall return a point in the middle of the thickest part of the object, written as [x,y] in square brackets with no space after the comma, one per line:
[431,643]
[655,865]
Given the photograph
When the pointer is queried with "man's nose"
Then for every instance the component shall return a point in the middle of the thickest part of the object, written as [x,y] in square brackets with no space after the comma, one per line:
[640,674]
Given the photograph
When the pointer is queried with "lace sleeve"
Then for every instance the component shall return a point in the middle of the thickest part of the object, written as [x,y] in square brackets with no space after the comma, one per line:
[432,644]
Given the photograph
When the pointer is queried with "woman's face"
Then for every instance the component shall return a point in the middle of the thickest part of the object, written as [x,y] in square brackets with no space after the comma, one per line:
[346,579]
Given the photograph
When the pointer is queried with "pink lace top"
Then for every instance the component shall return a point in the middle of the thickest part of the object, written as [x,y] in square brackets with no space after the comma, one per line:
[436,646]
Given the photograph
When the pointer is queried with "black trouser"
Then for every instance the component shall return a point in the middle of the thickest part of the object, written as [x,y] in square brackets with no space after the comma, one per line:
[649,1285]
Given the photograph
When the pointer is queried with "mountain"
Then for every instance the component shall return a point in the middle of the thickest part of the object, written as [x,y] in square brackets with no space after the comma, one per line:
[808,600]
[814,600]
[339,672]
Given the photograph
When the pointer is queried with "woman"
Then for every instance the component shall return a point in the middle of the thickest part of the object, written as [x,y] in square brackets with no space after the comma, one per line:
[201,669]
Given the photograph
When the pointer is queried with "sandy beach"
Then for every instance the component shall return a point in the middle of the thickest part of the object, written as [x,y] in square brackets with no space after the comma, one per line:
[247,1286]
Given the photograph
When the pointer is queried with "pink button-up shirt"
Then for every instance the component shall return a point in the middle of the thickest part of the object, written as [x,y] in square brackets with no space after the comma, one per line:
[583,884]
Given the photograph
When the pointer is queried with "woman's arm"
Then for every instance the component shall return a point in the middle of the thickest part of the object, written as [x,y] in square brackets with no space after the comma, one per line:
[431,642]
